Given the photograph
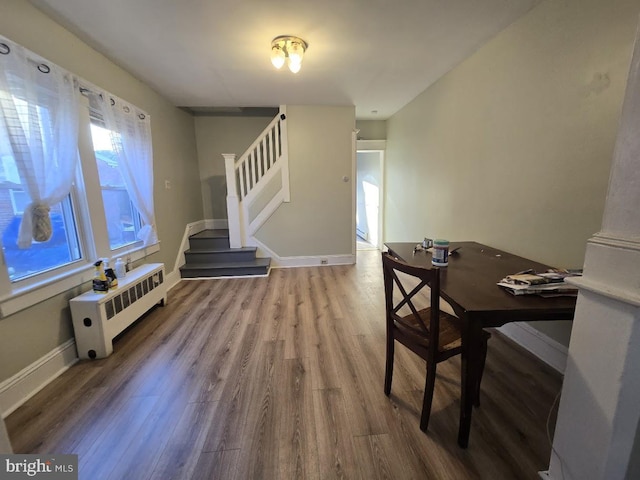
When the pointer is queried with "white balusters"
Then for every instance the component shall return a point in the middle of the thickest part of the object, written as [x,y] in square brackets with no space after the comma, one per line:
[263,160]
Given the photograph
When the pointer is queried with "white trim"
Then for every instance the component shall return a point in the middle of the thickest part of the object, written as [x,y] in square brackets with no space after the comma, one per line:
[371,144]
[30,380]
[354,193]
[610,267]
[36,293]
[381,153]
[301,261]
[268,210]
[545,348]
[623,295]
[173,277]
[5,444]
[617,241]
[190,229]
[313,261]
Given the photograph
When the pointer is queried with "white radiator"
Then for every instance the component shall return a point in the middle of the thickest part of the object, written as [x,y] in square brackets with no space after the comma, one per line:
[99,317]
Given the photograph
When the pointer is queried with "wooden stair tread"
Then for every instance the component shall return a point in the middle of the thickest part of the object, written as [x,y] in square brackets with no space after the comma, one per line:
[222,250]
[218,233]
[210,255]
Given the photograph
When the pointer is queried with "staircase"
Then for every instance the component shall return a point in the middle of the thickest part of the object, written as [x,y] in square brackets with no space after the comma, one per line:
[257,184]
[209,255]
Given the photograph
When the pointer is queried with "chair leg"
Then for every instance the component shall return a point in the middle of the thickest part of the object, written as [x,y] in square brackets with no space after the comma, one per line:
[388,374]
[483,359]
[428,396]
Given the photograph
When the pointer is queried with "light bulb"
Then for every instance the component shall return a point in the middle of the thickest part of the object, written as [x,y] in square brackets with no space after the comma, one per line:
[277,56]
[294,66]
[295,51]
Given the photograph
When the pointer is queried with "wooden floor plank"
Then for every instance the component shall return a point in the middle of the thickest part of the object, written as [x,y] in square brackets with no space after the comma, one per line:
[217,465]
[378,458]
[281,377]
[335,442]
[181,452]
[260,448]
[298,452]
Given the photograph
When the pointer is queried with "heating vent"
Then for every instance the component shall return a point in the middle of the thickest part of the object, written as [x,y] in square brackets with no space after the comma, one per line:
[99,317]
[129,296]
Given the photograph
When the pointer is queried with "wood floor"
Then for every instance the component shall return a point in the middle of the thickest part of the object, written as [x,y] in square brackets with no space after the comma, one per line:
[282,378]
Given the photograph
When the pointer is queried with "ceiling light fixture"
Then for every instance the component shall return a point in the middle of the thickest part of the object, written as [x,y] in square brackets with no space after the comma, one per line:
[286,48]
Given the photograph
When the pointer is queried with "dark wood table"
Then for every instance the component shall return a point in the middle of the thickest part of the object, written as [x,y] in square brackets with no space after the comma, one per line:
[469,285]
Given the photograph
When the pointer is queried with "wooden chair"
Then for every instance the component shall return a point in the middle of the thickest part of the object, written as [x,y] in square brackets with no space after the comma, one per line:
[432,334]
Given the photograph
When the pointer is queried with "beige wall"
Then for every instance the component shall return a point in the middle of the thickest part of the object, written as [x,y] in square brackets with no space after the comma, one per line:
[512,148]
[28,335]
[319,218]
[215,136]
[372,129]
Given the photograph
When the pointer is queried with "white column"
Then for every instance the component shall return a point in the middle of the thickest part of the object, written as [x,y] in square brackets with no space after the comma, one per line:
[5,445]
[284,139]
[595,436]
[233,202]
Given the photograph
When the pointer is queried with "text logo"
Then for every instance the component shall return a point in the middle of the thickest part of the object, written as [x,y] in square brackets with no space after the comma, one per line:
[26,467]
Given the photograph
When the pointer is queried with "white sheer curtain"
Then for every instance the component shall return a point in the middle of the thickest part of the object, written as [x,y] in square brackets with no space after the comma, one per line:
[130,132]
[39,120]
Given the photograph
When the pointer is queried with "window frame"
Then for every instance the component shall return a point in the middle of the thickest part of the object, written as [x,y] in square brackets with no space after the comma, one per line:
[93,240]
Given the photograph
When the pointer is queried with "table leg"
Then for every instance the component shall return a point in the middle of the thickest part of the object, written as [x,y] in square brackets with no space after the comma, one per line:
[470,374]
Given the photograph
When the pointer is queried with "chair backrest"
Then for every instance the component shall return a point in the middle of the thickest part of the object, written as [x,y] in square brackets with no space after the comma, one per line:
[406,302]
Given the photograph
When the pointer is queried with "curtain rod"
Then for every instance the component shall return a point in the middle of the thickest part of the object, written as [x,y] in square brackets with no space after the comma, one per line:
[84,86]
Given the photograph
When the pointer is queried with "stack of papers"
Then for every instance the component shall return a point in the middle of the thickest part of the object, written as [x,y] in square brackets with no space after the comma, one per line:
[548,284]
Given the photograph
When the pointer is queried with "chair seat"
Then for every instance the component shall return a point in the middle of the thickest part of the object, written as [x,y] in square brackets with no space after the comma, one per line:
[450,330]
[450,339]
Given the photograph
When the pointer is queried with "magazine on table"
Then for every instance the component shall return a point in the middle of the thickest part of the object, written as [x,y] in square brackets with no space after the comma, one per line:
[547,284]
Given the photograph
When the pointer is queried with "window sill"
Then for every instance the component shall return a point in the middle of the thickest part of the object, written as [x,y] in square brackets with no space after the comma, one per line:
[23,298]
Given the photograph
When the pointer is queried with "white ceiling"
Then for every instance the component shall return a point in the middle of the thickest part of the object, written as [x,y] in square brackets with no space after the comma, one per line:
[375,54]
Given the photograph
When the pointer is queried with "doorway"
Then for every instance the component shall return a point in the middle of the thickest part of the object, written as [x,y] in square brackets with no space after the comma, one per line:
[369,198]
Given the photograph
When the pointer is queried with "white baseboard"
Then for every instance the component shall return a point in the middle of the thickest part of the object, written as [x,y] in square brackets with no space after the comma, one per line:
[313,261]
[190,229]
[276,260]
[172,279]
[301,261]
[30,380]
[545,348]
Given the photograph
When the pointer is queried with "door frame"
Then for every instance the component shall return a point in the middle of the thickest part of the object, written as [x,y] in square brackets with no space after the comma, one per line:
[374,146]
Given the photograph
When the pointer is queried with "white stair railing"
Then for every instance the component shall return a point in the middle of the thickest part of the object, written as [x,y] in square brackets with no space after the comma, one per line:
[247,177]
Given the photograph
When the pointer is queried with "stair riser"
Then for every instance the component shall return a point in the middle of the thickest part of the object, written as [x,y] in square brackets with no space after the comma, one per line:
[210,256]
[208,243]
[219,257]
[224,272]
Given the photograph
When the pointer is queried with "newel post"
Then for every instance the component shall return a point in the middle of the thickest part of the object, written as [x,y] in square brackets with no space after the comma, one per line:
[596,434]
[233,202]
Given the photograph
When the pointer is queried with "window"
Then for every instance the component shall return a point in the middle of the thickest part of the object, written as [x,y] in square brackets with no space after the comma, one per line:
[56,153]
[123,219]
[62,249]
[19,200]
